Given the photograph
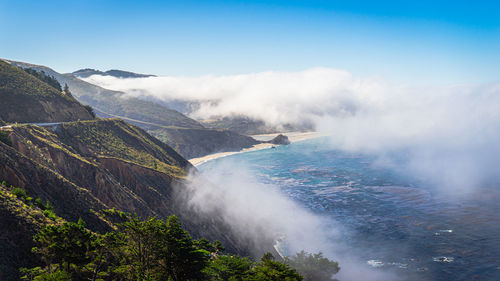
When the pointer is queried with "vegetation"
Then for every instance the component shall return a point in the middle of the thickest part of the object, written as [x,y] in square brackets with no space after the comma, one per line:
[31,96]
[4,137]
[150,249]
[192,143]
[313,266]
[47,209]
[157,119]
[44,77]
[90,110]
[117,139]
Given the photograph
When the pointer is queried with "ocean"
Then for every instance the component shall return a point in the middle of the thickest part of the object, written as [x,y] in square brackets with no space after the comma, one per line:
[387,219]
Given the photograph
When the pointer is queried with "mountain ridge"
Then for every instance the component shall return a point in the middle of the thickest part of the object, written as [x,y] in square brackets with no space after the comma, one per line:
[86,72]
[186,135]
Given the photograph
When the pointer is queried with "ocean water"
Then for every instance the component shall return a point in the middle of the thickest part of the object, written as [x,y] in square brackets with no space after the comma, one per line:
[393,222]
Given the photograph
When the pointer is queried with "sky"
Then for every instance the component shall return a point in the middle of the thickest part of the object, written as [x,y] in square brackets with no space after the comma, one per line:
[412,42]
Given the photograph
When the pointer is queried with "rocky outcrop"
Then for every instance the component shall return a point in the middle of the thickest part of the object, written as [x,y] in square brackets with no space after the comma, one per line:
[280,140]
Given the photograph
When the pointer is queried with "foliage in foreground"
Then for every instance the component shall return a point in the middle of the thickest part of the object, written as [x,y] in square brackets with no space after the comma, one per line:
[150,249]
[313,266]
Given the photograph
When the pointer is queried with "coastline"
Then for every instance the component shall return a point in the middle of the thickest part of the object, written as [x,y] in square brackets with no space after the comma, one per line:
[292,136]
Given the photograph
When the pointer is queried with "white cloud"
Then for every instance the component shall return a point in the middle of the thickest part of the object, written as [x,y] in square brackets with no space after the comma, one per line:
[451,135]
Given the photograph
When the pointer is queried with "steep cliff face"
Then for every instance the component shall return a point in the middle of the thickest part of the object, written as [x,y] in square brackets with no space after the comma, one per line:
[26,99]
[85,167]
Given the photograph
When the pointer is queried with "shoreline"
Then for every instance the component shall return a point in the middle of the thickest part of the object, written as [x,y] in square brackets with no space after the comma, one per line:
[292,136]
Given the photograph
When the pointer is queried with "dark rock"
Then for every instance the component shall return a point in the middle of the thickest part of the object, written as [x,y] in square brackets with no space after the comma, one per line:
[280,139]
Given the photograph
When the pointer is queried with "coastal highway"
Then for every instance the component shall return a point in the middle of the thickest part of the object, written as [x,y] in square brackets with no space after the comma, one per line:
[36,124]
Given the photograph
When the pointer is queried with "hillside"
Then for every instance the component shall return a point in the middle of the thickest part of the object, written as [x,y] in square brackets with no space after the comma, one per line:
[107,103]
[187,136]
[84,73]
[26,99]
[84,167]
[247,126]
[19,222]
[192,143]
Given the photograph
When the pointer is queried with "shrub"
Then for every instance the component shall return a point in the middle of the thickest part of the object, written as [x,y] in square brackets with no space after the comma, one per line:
[39,203]
[90,110]
[50,214]
[19,192]
[4,137]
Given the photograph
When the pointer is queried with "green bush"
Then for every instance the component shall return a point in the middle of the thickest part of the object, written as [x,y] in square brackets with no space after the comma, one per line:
[4,137]
[50,214]
[19,193]
[39,203]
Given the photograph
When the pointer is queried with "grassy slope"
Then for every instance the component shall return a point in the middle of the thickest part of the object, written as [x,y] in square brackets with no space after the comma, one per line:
[116,139]
[25,98]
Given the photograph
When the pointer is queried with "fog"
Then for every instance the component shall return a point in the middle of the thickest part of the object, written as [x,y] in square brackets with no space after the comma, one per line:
[256,212]
[446,136]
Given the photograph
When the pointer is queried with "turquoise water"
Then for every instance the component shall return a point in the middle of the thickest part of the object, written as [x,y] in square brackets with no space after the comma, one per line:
[392,221]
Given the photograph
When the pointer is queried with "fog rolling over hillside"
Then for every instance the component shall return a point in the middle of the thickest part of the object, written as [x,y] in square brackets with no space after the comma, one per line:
[188,136]
[449,134]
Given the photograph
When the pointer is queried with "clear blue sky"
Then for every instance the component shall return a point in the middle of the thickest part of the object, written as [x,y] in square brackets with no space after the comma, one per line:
[418,41]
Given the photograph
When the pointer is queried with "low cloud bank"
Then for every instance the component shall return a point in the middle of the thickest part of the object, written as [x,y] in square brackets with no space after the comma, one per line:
[257,212]
[449,136]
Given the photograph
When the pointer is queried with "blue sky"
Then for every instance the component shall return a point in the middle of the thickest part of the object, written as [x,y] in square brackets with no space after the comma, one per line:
[426,42]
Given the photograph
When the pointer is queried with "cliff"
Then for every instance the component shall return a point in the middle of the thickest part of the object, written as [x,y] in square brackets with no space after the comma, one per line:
[85,167]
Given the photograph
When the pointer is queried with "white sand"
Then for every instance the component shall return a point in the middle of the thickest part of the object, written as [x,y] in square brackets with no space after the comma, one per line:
[292,136]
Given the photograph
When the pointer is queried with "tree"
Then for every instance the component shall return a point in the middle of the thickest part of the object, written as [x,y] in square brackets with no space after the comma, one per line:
[66,245]
[313,267]
[271,270]
[228,267]
[162,250]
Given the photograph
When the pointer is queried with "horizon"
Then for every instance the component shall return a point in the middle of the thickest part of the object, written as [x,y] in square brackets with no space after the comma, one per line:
[419,43]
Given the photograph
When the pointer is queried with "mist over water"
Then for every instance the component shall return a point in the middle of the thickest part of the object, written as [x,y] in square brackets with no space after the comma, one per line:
[379,223]
[258,211]
[405,188]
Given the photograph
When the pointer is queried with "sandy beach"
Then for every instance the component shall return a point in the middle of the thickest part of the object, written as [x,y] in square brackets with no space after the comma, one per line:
[292,136]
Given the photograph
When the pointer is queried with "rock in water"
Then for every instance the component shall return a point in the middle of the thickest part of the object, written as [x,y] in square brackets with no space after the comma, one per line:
[280,139]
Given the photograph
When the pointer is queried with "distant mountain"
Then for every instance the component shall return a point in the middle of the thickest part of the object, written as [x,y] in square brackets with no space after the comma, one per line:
[27,99]
[84,73]
[169,125]
[246,126]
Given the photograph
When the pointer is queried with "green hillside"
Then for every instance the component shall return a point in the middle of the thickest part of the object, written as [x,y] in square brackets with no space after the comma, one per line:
[108,103]
[27,99]
[187,136]
[192,143]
